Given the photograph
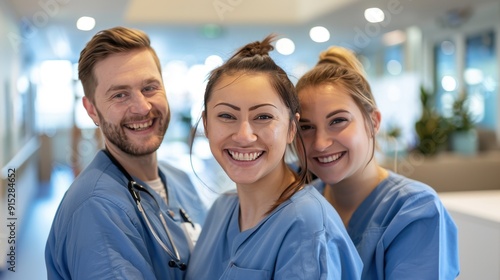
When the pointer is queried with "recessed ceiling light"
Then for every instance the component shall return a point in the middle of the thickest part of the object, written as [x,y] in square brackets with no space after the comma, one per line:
[374,15]
[319,34]
[285,46]
[85,23]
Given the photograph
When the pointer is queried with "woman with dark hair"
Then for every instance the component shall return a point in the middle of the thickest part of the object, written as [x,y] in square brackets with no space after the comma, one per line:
[273,226]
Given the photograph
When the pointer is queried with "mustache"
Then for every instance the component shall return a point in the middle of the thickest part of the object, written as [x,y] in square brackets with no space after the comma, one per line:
[153,114]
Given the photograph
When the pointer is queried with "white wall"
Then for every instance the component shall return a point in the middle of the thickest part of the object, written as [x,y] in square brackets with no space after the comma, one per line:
[477,216]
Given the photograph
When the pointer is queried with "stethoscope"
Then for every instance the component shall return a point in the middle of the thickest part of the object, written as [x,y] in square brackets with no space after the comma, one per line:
[134,188]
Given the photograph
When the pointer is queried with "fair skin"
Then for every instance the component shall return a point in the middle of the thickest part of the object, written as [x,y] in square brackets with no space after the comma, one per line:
[248,128]
[339,146]
[131,108]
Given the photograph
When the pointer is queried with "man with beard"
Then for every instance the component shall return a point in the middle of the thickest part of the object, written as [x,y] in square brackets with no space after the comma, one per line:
[124,217]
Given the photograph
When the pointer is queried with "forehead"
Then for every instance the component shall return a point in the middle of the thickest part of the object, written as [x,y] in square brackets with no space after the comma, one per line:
[320,101]
[245,88]
[126,68]
[332,94]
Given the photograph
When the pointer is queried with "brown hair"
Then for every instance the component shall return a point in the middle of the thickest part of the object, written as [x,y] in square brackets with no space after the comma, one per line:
[339,66]
[254,58]
[105,43]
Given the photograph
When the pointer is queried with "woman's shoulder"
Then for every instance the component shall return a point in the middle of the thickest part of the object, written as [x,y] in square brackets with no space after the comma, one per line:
[402,194]
[308,195]
[312,210]
[405,188]
[225,200]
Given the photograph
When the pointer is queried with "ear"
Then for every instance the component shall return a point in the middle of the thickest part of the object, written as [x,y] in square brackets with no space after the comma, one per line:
[293,129]
[204,119]
[91,110]
[376,117]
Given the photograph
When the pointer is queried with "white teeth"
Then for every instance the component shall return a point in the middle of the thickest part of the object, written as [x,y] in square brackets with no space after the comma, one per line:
[329,158]
[140,126]
[245,156]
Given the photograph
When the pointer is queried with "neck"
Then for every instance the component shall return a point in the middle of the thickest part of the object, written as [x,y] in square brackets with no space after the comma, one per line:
[256,199]
[347,195]
[143,167]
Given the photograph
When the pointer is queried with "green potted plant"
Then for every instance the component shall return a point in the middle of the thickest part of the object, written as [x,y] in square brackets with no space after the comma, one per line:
[463,135]
[432,129]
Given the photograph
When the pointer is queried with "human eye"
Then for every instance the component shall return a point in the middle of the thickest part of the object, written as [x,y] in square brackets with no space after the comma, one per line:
[338,121]
[264,117]
[150,89]
[119,96]
[225,116]
[305,127]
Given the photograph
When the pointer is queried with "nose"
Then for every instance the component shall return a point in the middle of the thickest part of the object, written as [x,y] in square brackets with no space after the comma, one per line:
[322,140]
[245,133]
[140,104]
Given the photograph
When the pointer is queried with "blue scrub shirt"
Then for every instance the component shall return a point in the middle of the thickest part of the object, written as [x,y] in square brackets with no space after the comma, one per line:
[98,233]
[303,238]
[403,231]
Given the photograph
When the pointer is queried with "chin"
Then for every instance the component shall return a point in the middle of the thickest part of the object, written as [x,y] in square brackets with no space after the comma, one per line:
[327,178]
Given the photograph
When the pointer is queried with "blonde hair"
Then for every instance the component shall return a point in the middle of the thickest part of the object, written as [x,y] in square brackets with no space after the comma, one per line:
[339,66]
[341,56]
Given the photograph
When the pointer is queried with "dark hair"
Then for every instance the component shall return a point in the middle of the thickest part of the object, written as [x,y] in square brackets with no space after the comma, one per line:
[339,66]
[254,58]
[105,43]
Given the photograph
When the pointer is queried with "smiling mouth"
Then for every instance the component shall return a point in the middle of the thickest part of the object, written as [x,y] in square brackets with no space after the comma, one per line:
[244,156]
[139,126]
[331,158]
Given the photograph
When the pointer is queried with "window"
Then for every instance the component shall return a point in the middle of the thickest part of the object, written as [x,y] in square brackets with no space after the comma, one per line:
[446,76]
[481,78]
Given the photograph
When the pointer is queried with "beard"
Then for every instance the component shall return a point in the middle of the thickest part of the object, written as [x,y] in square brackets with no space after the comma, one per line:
[116,134]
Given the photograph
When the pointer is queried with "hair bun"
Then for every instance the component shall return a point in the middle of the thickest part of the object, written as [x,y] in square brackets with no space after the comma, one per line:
[257,48]
[342,57]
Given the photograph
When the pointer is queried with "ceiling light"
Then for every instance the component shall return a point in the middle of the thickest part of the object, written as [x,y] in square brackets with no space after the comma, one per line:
[285,46]
[319,34]
[374,15]
[85,23]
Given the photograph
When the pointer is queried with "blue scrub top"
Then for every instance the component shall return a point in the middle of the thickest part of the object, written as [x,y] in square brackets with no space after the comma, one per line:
[98,233]
[403,231]
[303,238]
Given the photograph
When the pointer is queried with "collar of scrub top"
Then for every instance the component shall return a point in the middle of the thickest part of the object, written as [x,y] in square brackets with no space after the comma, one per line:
[135,188]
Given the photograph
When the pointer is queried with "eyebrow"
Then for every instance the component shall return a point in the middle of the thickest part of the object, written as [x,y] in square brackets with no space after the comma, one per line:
[329,115]
[239,109]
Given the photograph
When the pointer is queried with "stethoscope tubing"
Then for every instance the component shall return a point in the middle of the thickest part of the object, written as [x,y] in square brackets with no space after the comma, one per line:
[134,189]
[143,212]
